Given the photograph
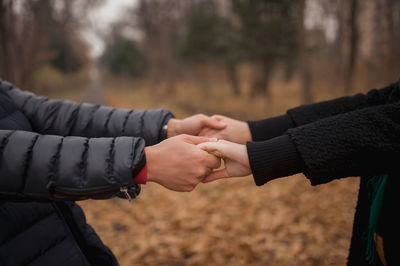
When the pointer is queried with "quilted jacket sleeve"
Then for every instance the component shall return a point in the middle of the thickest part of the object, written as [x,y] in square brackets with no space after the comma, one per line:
[73,168]
[65,118]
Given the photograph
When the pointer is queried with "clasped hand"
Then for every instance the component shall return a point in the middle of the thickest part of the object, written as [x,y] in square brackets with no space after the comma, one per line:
[192,153]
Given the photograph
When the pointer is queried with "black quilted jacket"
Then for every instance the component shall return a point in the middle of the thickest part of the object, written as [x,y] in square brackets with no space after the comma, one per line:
[53,153]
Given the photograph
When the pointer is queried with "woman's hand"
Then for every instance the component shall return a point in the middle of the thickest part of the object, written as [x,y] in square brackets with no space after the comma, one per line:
[235,158]
[235,131]
[193,125]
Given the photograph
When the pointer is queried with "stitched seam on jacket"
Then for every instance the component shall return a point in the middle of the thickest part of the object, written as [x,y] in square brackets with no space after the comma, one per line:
[83,163]
[54,161]
[141,123]
[51,115]
[26,100]
[135,168]
[35,118]
[90,123]
[27,162]
[74,119]
[132,154]
[3,145]
[126,121]
[108,119]
[110,161]
[135,144]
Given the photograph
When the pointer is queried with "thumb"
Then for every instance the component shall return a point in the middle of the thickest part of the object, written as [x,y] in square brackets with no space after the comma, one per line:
[213,123]
[215,148]
[197,140]
[219,174]
[218,117]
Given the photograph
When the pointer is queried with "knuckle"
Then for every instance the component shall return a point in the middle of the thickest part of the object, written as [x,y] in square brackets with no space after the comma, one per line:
[201,160]
[204,171]
[197,172]
[189,188]
[194,183]
[199,116]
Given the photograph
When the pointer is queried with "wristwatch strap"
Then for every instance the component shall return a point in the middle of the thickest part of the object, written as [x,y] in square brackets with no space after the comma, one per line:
[164,132]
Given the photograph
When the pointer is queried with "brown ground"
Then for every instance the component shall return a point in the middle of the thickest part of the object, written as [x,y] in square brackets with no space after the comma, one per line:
[233,222]
[228,222]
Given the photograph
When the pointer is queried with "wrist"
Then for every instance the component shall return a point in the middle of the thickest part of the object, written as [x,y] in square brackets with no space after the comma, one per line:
[241,133]
[244,158]
[173,127]
[150,153]
[246,133]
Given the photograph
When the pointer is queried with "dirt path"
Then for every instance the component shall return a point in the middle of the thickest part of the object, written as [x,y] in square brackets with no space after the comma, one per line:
[94,94]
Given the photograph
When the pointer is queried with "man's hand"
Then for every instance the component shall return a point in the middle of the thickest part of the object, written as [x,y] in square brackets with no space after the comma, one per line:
[178,164]
[235,131]
[193,125]
[235,158]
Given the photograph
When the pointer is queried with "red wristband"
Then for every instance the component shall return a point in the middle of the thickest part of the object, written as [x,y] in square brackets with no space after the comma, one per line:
[141,177]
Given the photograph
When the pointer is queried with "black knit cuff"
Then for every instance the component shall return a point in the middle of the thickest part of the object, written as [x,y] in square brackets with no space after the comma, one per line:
[270,128]
[272,159]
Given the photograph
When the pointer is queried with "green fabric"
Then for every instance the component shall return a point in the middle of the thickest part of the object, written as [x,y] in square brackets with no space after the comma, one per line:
[376,187]
[376,191]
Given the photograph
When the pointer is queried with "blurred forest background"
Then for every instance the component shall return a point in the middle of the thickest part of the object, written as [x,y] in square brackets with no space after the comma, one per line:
[249,59]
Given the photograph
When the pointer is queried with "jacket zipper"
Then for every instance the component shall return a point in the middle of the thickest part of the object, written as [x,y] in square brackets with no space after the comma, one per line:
[125,191]
[96,192]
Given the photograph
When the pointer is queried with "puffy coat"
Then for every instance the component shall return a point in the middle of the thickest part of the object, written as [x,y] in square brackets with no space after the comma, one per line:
[53,153]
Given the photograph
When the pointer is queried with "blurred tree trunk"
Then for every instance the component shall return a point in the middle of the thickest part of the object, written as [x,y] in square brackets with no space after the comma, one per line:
[305,72]
[392,37]
[353,44]
[23,40]
[338,46]
[6,63]
[232,72]
[262,73]
[161,22]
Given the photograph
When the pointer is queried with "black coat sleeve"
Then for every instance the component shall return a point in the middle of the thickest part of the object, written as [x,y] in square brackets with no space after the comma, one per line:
[266,129]
[65,118]
[357,143]
[73,168]
[310,113]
